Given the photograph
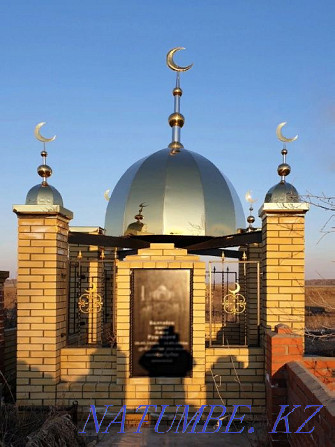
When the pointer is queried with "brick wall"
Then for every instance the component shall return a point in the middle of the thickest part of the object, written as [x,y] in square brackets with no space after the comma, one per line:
[102,375]
[10,357]
[304,388]
[239,376]
[89,376]
[323,368]
[292,379]
[281,346]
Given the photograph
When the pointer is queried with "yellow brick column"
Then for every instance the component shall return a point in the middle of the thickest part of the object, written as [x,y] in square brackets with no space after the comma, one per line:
[41,300]
[283,265]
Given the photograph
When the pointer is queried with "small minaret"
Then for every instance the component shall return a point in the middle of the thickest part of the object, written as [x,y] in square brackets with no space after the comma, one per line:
[250,218]
[283,192]
[283,252]
[43,225]
[176,119]
[43,193]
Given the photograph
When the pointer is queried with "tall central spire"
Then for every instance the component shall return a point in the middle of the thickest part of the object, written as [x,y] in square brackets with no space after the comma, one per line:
[176,119]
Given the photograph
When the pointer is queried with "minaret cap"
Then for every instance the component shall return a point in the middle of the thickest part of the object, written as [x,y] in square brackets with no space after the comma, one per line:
[283,192]
[43,194]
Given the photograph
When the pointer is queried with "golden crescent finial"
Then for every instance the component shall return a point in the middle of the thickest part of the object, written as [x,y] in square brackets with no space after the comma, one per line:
[39,136]
[238,288]
[106,194]
[170,62]
[280,135]
[248,197]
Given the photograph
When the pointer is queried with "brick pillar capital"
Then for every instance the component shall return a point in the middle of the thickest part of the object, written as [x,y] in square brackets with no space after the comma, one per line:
[42,210]
[282,208]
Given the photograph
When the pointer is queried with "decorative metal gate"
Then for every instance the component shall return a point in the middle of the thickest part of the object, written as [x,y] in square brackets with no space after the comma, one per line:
[233,303]
[90,299]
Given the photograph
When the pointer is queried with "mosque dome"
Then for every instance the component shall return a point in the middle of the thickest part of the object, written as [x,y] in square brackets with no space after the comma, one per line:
[283,192]
[174,191]
[182,194]
[44,194]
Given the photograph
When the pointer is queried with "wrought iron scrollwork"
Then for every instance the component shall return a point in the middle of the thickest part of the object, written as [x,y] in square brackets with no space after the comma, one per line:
[234,302]
[90,301]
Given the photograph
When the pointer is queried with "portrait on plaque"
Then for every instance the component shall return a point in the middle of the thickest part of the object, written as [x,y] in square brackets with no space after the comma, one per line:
[160,342]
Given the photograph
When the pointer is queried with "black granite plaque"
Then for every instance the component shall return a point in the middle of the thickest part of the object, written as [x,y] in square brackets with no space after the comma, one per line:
[160,342]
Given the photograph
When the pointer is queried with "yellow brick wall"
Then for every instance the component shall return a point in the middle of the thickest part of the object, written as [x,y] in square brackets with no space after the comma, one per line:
[101,376]
[42,308]
[89,376]
[235,375]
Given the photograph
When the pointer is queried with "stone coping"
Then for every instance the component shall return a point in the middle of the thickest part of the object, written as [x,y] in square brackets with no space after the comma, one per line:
[283,207]
[319,389]
[42,209]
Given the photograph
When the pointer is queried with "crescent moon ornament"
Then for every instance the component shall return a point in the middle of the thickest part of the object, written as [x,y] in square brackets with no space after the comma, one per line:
[40,137]
[106,194]
[238,288]
[171,63]
[249,198]
[281,136]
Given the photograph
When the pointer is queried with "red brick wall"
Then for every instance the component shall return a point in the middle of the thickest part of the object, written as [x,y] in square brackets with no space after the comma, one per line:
[323,368]
[303,388]
[281,346]
[291,380]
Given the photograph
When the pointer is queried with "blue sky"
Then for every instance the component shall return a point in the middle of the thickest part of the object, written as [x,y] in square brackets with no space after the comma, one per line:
[95,72]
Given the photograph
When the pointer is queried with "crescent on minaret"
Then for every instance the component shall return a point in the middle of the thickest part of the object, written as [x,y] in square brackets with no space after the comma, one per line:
[281,136]
[39,136]
[171,63]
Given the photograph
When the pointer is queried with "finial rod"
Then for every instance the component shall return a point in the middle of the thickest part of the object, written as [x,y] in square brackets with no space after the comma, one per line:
[284,169]
[43,170]
[177,97]
[176,119]
[250,218]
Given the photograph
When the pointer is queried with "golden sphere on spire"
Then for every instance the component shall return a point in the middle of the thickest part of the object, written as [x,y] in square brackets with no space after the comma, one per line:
[284,169]
[177,91]
[176,119]
[44,171]
[176,145]
[250,219]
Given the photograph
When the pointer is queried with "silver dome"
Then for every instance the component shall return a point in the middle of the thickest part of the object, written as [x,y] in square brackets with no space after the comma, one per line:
[44,195]
[283,192]
[185,194]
